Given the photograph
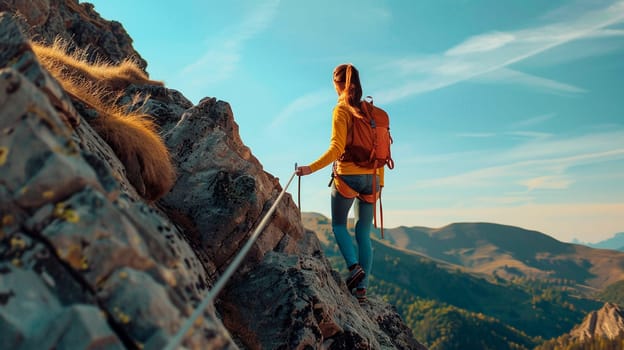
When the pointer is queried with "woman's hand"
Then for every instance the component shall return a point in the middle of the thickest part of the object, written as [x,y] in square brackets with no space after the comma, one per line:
[303,170]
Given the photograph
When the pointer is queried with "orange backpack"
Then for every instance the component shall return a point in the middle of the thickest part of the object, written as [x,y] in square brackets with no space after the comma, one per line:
[368,145]
[369,140]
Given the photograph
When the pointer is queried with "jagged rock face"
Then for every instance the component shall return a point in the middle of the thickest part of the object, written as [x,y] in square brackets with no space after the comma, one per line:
[46,20]
[607,322]
[74,246]
[305,304]
[222,192]
[88,261]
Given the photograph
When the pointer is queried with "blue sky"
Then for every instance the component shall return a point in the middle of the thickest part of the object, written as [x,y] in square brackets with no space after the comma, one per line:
[501,111]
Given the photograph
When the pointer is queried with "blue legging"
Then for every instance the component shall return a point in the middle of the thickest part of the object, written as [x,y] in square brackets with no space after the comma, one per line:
[363,221]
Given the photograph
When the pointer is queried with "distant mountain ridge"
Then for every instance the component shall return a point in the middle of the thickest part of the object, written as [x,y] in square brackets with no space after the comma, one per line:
[502,251]
[616,242]
[510,252]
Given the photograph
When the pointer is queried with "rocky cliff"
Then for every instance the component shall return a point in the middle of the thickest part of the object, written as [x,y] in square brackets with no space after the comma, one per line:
[608,322]
[86,262]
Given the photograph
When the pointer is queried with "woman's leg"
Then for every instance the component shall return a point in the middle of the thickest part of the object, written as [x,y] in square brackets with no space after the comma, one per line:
[363,223]
[340,209]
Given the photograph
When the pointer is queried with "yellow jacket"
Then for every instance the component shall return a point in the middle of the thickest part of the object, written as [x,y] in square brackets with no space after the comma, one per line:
[341,122]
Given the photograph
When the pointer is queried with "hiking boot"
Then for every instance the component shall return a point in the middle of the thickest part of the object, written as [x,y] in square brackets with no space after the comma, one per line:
[360,294]
[356,275]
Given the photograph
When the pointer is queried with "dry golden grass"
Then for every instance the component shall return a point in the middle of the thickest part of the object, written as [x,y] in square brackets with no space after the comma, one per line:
[133,136]
[74,67]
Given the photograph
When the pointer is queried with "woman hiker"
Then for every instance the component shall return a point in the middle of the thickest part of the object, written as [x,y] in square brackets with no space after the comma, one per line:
[359,179]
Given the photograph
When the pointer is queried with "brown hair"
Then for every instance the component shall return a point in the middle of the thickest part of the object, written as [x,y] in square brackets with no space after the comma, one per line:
[348,75]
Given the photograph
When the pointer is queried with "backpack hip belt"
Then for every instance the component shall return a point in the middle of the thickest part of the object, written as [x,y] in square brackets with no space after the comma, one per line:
[346,191]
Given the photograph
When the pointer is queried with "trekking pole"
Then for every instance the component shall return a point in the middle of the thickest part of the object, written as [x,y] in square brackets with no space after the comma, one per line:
[298,190]
[177,339]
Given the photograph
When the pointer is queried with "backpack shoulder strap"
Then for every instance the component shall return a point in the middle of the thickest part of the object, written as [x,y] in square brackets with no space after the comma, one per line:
[367,107]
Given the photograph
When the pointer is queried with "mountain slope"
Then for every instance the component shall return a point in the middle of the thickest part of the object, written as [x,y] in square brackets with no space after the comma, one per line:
[613,293]
[448,327]
[537,309]
[510,252]
[503,252]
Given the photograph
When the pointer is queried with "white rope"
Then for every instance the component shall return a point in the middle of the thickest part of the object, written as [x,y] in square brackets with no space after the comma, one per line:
[221,282]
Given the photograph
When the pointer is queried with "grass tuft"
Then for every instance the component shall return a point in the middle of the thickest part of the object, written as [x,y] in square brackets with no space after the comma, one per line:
[133,135]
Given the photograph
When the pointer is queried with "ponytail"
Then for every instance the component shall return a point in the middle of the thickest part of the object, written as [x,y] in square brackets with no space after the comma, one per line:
[348,75]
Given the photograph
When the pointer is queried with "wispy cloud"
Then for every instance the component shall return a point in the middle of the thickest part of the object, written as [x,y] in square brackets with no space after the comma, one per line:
[478,135]
[493,52]
[482,43]
[556,182]
[517,134]
[302,104]
[510,76]
[225,51]
[533,121]
[607,33]
[542,163]
[565,147]
[505,200]
[529,134]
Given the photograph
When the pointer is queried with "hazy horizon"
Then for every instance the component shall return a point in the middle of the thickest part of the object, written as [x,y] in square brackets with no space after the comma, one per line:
[501,112]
